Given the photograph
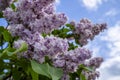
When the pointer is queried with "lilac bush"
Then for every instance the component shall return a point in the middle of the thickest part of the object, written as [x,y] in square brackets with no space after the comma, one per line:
[34,22]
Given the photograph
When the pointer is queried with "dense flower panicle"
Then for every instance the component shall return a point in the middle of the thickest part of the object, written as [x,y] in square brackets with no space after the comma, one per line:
[4,4]
[36,17]
[50,9]
[48,23]
[71,59]
[98,28]
[17,27]
[33,17]
[40,47]
[56,45]
[86,30]
[91,75]
[28,4]
[95,62]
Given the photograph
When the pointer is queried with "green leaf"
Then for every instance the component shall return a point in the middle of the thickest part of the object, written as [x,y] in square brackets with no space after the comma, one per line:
[13,6]
[56,32]
[7,36]
[86,68]
[82,77]
[70,26]
[1,29]
[55,73]
[46,70]
[35,76]
[16,74]
[1,15]
[72,46]
[8,52]
[11,51]
[40,68]
[65,30]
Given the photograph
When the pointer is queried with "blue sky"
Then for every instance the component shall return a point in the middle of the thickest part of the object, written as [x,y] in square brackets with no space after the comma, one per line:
[107,44]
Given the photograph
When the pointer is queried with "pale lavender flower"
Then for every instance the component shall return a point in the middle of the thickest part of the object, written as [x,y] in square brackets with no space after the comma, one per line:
[50,9]
[36,15]
[4,4]
[39,47]
[18,43]
[95,62]
[86,30]
[56,45]
[91,75]
[71,59]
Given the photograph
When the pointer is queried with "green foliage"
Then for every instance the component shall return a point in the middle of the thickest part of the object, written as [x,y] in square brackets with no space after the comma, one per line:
[70,26]
[1,15]
[13,7]
[72,46]
[63,32]
[12,51]
[67,32]
[47,70]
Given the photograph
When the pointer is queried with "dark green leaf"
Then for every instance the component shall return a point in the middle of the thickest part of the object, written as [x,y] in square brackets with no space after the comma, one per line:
[16,74]
[13,6]
[1,15]
[1,29]
[56,32]
[70,26]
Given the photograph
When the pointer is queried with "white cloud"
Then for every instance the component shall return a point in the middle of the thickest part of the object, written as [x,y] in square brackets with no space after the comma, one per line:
[113,38]
[112,12]
[57,2]
[110,69]
[92,4]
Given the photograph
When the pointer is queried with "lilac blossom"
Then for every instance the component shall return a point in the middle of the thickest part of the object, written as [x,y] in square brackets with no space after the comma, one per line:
[4,4]
[35,15]
[94,63]
[72,59]
[39,47]
[87,30]
[91,75]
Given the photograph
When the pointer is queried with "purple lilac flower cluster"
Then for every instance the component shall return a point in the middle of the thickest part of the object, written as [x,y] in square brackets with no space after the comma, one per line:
[94,63]
[34,17]
[72,59]
[87,30]
[39,47]
[4,4]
